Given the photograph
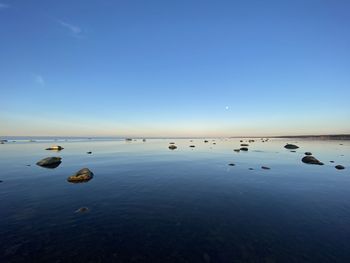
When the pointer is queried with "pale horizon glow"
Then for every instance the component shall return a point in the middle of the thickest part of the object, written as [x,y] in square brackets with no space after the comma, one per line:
[174,69]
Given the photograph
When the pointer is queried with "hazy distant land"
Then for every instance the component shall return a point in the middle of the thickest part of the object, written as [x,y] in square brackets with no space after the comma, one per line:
[321,137]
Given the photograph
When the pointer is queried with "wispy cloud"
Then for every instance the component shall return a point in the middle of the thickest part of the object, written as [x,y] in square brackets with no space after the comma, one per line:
[75,30]
[3,6]
[39,80]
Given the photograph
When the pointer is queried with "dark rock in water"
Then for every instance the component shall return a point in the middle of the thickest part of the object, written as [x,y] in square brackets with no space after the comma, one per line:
[244,149]
[50,162]
[171,143]
[339,167]
[144,140]
[293,151]
[231,164]
[55,148]
[128,139]
[172,147]
[241,141]
[244,144]
[251,141]
[291,146]
[81,176]
[265,168]
[237,150]
[192,146]
[308,153]
[214,143]
[1,181]
[205,141]
[28,165]
[311,160]
[251,169]
[89,152]
[82,210]
[331,161]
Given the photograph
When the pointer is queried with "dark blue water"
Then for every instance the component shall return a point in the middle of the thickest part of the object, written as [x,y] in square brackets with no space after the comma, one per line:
[150,204]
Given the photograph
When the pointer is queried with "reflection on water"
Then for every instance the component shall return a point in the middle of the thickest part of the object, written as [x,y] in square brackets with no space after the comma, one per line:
[147,203]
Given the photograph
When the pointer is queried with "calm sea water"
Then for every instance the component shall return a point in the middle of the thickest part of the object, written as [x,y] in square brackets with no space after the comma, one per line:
[150,204]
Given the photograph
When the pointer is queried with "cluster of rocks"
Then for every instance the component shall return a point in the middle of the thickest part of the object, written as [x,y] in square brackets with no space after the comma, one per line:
[82,175]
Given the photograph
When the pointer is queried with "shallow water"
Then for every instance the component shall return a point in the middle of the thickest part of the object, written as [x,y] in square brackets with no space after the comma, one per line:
[150,204]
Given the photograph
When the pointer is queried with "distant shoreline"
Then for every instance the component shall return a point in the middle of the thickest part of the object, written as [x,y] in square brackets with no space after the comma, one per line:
[319,137]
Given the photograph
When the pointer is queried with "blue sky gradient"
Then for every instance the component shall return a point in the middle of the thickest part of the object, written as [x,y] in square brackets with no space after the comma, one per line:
[174,68]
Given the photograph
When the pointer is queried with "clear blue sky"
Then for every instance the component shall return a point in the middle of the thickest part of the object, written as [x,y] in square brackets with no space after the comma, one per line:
[174,68]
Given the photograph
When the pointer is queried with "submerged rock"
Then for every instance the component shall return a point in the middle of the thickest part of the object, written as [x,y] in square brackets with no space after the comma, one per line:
[206,141]
[311,160]
[231,164]
[244,144]
[308,153]
[82,210]
[339,167]
[265,168]
[171,143]
[172,147]
[55,148]
[331,161]
[81,176]
[244,149]
[89,152]
[237,150]
[192,146]
[50,162]
[144,140]
[291,146]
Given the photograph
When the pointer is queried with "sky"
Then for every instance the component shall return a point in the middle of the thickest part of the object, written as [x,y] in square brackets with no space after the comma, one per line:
[174,68]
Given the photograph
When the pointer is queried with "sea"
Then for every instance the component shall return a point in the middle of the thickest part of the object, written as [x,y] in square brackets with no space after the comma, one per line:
[147,203]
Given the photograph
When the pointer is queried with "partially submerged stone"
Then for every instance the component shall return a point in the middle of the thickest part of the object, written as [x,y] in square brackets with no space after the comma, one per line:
[192,146]
[265,168]
[231,164]
[89,152]
[339,167]
[172,147]
[244,144]
[81,176]
[244,149]
[308,153]
[50,162]
[311,160]
[206,141]
[237,150]
[291,146]
[55,148]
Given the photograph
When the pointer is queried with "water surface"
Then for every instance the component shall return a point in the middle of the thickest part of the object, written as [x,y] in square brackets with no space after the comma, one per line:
[150,204]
